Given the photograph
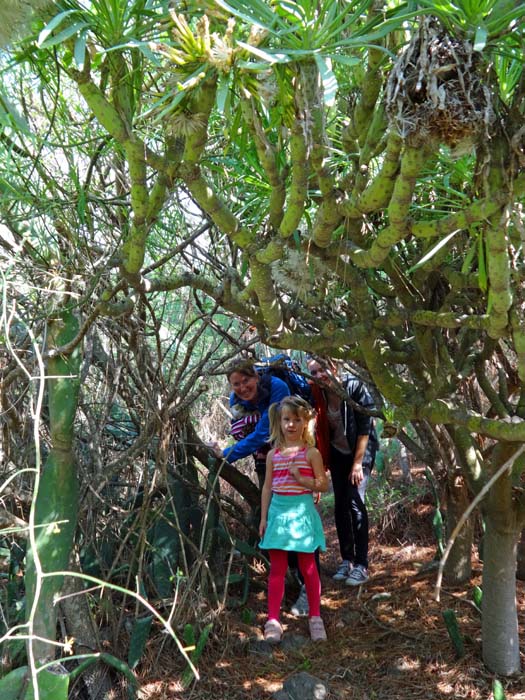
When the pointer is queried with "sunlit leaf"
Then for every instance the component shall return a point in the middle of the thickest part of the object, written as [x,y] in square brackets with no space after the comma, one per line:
[480,39]
[268,56]
[345,60]
[223,91]
[52,25]
[139,639]
[79,51]
[9,109]
[497,690]
[328,78]
[430,254]
[59,38]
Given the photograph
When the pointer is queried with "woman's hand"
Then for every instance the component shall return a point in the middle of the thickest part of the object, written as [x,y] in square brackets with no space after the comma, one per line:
[214,447]
[357,475]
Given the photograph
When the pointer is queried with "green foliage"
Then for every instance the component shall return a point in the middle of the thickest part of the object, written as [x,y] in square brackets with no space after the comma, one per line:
[112,662]
[480,20]
[451,622]
[51,686]
[164,540]
[477,597]
[248,616]
[138,640]
[12,684]
[182,144]
[305,665]
[12,602]
[437,518]
[497,690]
[190,637]
[112,23]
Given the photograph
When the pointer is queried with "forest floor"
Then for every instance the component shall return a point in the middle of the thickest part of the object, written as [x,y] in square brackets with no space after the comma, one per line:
[386,639]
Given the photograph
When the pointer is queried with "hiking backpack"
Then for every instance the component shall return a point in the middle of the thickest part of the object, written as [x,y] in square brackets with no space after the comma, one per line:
[283,367]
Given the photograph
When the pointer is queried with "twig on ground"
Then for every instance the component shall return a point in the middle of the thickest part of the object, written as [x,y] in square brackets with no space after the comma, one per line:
[388,627]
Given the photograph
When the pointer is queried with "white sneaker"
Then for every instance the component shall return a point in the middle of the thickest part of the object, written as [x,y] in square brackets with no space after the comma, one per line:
[344,570]
[358,576]
[317,630]
[273,631]
[301,608]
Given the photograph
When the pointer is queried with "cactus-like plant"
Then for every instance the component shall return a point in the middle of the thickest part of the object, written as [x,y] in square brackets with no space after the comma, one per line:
[15,16]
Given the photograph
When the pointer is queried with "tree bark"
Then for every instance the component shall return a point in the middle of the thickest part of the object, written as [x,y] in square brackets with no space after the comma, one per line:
[245,486]
[458,568]
[501,651]
[81,626]
[56,501]
[520,569]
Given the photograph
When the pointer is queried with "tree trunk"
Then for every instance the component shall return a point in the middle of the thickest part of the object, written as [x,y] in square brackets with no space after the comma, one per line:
[80,625]
[520,570]
[500,622]
[458,568]
[404,463]
[55,504]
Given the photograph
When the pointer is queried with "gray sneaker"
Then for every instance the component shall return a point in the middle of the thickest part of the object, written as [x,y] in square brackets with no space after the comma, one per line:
[301,608]
[358,576]
[344,570]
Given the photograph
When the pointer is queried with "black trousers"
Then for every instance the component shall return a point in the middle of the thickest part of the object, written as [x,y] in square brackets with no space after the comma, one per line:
[351,516]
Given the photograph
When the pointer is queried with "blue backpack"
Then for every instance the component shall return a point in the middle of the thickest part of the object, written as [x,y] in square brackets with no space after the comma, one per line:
[283,367]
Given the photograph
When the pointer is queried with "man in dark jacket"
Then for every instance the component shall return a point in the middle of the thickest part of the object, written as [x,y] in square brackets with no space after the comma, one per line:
[348,443]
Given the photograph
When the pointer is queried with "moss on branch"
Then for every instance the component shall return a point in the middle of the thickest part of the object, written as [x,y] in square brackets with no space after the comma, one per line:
[441,411]
[412,162]
[267,154]
[327,219]
[472,214]
[449,319]
[518,335]
[298,187]
[379,192]
[214,206]
[263,285]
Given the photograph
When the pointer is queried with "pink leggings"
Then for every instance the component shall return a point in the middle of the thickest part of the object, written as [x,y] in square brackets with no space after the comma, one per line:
[278,566]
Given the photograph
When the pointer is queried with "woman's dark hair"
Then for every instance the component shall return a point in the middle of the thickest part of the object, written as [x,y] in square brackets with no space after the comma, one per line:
[242,366]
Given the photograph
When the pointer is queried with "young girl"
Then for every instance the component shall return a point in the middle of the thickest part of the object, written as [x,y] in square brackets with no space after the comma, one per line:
[289,520]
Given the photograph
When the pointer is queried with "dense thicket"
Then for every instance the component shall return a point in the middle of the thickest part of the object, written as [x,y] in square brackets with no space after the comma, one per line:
[341,177]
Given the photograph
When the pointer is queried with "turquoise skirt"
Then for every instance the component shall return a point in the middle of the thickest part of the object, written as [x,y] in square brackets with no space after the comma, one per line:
[293,525]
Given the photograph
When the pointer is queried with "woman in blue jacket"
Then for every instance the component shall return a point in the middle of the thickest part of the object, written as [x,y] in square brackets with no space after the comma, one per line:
[252,394]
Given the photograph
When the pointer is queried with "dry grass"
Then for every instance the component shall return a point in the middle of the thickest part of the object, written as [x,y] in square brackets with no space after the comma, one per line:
[385,641]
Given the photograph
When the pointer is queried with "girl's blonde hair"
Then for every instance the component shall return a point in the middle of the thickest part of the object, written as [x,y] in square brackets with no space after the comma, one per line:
[300,408]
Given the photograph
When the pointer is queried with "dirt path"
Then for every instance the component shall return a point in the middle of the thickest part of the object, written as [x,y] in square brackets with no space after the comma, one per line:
[386,639]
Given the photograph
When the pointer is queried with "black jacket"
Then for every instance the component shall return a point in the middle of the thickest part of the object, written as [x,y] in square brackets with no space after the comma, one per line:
[357,423]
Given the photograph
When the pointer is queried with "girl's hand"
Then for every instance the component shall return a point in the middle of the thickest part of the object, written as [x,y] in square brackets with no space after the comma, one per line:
[262,528]
[294,471]
[214,447]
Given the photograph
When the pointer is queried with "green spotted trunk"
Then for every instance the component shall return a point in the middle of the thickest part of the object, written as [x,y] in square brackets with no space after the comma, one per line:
[55,503]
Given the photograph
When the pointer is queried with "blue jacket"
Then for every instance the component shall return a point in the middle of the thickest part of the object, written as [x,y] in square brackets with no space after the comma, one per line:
[271,390]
